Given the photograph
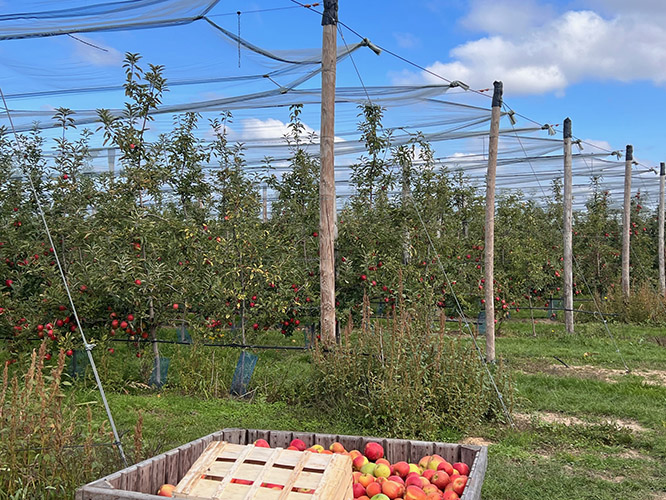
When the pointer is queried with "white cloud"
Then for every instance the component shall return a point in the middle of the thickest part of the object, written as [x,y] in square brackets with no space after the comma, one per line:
[407,40]
[542,55]
[270,130]
[266,130]
[94,52]
[507,17]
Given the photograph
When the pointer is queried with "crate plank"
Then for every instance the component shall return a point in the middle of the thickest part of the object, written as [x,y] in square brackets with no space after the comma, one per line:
[280,439]
[187,483]
[145,477]
[351,442]
[128,478]
[254,434]
[419,449]
[396,450]
[94,493]
[307,437]
[171,466]
[449,452]
[326,440]
[235,435]
[159,471]
[476,474]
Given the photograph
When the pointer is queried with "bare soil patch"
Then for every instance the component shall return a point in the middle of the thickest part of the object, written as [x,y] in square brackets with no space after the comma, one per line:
[476,441]
[610,375]
[558,418]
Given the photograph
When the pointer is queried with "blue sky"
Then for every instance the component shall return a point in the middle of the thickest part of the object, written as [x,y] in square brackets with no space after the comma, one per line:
[600,62]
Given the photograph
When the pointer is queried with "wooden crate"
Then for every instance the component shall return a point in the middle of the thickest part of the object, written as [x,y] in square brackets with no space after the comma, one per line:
[141,481]
[268,474]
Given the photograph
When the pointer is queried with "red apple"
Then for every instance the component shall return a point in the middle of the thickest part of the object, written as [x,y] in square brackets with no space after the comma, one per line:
[374,451]
[459,483]
[440,479]
[462,468]
[298,443]
[414,493]
[401,469]
[392,489]
[373,489]
[359,490]
[262,443]
[166,490]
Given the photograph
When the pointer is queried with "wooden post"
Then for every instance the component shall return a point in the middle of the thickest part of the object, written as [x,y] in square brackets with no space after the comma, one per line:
[265,202]
[327,208]
[567,230]
[660,243]
[405,199]
[626,221]
[111,160]
[490,223]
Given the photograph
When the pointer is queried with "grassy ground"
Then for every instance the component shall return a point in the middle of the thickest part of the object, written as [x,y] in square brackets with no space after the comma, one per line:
[587,431]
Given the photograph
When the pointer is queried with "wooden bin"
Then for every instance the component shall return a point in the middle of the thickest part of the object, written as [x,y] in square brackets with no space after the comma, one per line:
[141,481]
[246,472]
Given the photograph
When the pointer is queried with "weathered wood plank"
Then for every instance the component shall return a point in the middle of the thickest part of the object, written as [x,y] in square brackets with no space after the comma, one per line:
[171,467]
[351,442]
[92,493]
[254,434]
[449,452]
[396,450]
[420,449]
[235,435]
[326,440]
[145,477]
[476,474]
[280,439]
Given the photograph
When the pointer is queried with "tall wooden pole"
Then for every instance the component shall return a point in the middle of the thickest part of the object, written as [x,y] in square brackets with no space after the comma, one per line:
[567,230]
[660,243]
[265,203]
[490,222]
[405,198]
[327,181]
[626,221]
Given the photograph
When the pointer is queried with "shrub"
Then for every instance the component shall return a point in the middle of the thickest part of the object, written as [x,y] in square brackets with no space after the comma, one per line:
[402,379]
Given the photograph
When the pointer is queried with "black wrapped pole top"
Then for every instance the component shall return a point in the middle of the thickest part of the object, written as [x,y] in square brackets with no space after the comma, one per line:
[629,156]
[330,15]
[497,94]
[567,128]
[662,166]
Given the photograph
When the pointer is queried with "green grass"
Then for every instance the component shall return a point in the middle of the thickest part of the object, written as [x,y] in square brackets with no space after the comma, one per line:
[599,459]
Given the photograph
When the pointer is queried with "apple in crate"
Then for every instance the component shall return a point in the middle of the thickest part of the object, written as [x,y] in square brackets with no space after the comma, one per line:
[166,490]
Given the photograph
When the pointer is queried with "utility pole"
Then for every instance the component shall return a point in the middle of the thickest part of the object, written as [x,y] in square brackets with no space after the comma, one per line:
[626,221]
[327,208]
[490,222]
[567,230]
[660,243]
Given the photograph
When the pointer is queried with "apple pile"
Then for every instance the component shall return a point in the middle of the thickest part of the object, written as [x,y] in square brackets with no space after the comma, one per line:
[433,478]
[375,478]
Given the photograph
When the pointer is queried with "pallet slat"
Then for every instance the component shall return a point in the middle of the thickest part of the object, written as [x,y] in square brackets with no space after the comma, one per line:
[232,471]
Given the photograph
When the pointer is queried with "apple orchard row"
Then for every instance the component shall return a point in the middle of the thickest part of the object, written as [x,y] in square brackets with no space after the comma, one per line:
[167,242]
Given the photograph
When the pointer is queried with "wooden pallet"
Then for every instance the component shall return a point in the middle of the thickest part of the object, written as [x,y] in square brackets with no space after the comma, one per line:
[236,472]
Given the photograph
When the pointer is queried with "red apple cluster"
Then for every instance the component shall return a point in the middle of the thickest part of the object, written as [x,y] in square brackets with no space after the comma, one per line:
[375,478]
